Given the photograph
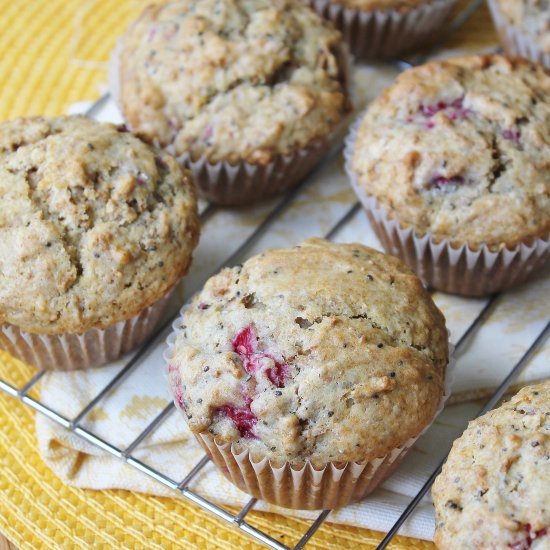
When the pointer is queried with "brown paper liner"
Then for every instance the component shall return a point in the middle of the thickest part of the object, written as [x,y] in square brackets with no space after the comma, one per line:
[245,183]
[93,348]
[378,34]
[514,41]
[304,486]
[301,487]
[441,264]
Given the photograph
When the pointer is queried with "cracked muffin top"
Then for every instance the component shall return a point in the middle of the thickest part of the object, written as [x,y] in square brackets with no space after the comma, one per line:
[460,148]
[532,17]
[493,491]
[232,79]
[322,352]
[95,225]
[382,5]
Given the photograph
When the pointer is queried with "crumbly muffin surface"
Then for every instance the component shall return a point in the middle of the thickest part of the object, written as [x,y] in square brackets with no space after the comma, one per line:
[95,225]
[494,490]
[532,17]
[232,79]
[460,148]
[323,352]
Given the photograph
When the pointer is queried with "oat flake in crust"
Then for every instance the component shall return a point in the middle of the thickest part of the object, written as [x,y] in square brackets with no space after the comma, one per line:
[322,352]
[95,225]
[494,491]
[460,148]
[232,79]
[532,17]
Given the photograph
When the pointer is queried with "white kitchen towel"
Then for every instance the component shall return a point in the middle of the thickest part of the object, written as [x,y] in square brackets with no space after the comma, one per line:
[171,449]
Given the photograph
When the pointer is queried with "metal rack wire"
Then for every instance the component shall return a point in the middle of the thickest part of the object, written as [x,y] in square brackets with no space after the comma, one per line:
[182,486]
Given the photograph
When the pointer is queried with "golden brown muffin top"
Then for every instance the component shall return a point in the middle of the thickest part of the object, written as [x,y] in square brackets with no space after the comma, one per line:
[95,225]
[322,352]
[460,148]
[232,79]
[494,490]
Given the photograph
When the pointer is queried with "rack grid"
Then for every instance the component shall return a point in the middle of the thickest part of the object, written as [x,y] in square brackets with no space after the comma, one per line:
[182,487]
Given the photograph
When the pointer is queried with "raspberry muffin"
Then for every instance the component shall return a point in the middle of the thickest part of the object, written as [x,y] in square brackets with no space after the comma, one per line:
[451,164]
[383,29]
[243,92]
[314,366]
[494,489]
[524,27]
[96,228]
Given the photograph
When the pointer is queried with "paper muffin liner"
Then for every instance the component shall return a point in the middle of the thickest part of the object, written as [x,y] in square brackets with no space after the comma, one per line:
[305,486]
[386,34]
[440,263]
[95,347]
[245,183]
[242,182]
[516,42]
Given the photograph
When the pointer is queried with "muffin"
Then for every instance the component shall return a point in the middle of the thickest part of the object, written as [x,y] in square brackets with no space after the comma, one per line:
[244,92]
[308,372]
[524,28]
[493,491]
[385,29]
[451,165]
[96,228]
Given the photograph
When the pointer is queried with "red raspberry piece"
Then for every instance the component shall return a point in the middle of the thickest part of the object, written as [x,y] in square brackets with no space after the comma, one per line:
[454,110]
[527,543]
[178,394]
[521,545]
[512,135]
[431,110]
[245,345]
[243,418]
[278,374]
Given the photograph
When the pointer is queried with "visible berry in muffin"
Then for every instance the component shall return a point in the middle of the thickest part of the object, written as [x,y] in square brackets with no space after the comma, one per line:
[459,149]
[322,352]
[494,490]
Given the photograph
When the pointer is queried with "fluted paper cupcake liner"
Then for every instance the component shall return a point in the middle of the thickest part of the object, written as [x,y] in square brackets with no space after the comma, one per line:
[93,348]
[245,183]
[385,34]
[516,42]
[305,486]
[241,183]
[440,263]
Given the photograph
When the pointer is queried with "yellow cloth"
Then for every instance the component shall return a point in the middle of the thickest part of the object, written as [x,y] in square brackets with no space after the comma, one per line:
[38,511]
[53,53]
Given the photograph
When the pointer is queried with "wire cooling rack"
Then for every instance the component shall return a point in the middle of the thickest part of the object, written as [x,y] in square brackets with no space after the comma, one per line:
[182,486]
